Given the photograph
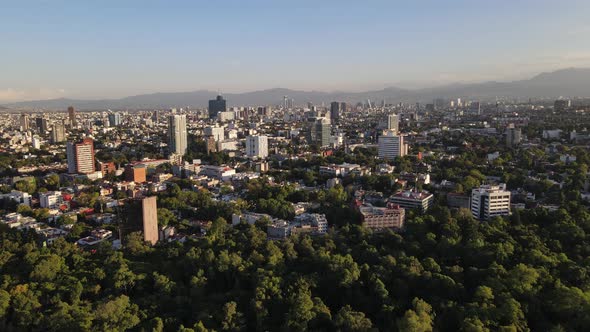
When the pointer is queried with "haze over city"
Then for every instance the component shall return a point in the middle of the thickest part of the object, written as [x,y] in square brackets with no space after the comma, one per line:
[113,49]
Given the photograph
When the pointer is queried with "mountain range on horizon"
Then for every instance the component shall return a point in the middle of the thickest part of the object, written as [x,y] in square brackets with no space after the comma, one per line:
[570,82]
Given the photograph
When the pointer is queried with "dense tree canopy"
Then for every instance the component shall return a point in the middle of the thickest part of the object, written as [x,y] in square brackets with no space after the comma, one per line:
[446,272]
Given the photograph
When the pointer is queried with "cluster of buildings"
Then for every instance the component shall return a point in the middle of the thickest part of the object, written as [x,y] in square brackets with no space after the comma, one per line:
[154,145]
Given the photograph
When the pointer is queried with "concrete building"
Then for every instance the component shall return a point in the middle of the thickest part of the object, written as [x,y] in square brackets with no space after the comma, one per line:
[72,116]
[378,218]
[141,215]
[177,135]
[19,197]
[24,122]
[136,173]
[513,136]
[218,133]
[391,145]
[226,116]
[36,142]
[114,119]
[81,157]
[58,133]
[413,199]
[50,199]
[490,201]
[218,172]
[393,123]
[257,146]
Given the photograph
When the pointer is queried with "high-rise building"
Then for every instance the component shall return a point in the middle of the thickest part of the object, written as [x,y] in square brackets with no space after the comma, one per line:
[141,215]
[114,119]
[393,123]
[343,108]
[58,133]
[391,145]
[41,123]
[81,157]
[36,142]
[72,116]
[257,146]
[335,111]
[177,136]
[562,104]
[24,122]
[216,105]
[320,132]
[513,136]
[475,107]
[490,201]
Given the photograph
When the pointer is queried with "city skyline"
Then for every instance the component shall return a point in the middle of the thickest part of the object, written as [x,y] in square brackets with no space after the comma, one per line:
[112,50]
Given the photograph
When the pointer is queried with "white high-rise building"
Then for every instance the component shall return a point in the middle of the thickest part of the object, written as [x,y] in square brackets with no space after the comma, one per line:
[393,123]
[490,201]
[36,142]
[257,146]
[177,137]
[218,133]
[391,145]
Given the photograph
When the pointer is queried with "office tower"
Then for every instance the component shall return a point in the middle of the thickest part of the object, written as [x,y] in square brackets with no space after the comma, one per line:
[177,137]
[72,116]
[475,107]
[562,104]
[156,116]
[429,107]
[58,133]
[141,215]
[41,124]
[393,123]
[459,103]
[391,145]
[257,146]
[320,132]
[216,105]
[335,110]
[490,201]
[343,108]
[24,122]
[285,102]
[114,119]
[513,136]
[81,157]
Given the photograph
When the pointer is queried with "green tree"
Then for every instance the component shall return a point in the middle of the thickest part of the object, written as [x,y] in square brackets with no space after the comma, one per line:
[418,319]
[116,314]
[351,321]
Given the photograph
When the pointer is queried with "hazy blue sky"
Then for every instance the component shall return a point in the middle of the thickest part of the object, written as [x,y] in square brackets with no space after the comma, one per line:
[87,49]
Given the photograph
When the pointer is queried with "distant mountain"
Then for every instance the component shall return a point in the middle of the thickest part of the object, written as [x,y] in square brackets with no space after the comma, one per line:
[566,82]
